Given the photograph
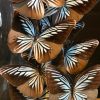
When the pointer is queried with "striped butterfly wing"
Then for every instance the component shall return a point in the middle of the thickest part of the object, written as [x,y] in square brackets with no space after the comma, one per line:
[44,46]
[83,6]
[37,8]
[57,83]
[64,11]
[77,57]
[22,34]
[27,80]
[77,12]
[54,3]
[89,79]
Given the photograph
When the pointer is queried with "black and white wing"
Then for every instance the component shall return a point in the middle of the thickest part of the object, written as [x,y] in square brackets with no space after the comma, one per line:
[37,7]
[27,25]
[54,3]
[57,82]
[50,11]
[86,80]
[25,41]
[58,32]
[27,80]
[78,55]
[72,3]
[61,15]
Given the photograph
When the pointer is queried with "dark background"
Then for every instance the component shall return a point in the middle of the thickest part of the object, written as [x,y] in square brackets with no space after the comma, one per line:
[91,31]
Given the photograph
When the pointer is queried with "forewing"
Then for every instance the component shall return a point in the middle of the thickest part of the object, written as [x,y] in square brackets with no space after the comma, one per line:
[89,79]
[59,33]
[72,3]
[27,80]
[37,8]
[54,3]
[18,42]
[78,55]
[16,74]
[81,6]
[27,25]
[61,15]
[57,83]
[50,11]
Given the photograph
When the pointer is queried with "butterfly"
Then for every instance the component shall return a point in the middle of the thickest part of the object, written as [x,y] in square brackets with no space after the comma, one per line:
[77,56]
[43,46]
[72,88]
[61,13]
[72,9]
[29,80]
[35,8]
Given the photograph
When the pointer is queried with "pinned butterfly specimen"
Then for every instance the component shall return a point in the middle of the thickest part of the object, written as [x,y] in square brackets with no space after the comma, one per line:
[29,81]
[72,9]
[76,57]
[42,46]
[61,13]
[35,8]
[72,88]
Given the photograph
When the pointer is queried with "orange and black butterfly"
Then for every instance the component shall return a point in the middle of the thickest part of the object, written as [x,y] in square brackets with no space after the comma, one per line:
[35,8]
[77,56]
[41,44]
[72,88]
[29,80]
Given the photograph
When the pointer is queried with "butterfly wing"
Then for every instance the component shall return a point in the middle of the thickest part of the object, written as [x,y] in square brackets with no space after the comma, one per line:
[78,55]
[44,47]
[54,3]
[18,42]
[37,8]
[27,80]
[57,83]
[59,33]
[89,79]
